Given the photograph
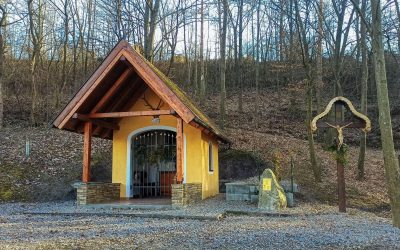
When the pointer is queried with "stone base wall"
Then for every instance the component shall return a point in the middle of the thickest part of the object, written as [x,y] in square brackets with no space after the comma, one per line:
[241,192]
[97,192]
[186,193]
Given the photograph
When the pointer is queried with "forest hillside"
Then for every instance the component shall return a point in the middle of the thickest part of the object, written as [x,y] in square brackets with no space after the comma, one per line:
[276,134]
[261,69]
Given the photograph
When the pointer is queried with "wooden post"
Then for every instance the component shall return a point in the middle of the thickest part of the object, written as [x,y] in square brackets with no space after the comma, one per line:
[340,168]
[341,187]
[87,148]
[179,150]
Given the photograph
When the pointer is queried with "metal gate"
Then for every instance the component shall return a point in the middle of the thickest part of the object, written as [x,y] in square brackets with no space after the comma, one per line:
[153,163]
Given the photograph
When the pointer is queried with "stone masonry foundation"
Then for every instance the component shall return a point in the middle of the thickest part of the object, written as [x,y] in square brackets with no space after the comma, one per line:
[186,193]
[97,192]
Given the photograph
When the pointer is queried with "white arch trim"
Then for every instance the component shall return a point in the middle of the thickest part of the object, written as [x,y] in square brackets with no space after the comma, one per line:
[129,153]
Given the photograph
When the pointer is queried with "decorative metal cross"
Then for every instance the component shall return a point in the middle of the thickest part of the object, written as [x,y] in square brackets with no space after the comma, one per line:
[339,122]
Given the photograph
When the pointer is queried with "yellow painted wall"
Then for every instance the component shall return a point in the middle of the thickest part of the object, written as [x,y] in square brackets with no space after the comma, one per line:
[210,179]
[196,148]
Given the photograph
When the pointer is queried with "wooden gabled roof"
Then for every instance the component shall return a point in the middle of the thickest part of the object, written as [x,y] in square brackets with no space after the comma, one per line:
[120,80]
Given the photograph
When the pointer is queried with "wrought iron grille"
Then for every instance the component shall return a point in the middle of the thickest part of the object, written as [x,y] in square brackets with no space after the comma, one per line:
[154,163]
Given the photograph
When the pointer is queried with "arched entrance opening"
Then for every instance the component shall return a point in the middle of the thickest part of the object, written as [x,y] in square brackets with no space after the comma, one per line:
[152,163]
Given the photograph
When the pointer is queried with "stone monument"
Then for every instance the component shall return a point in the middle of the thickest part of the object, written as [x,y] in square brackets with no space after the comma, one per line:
[271,195]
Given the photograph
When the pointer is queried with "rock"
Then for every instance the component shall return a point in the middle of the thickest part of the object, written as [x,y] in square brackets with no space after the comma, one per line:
[271,195]
[290,199]
[287,186]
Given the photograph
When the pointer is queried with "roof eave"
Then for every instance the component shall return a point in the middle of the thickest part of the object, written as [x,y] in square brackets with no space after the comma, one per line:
[222,138]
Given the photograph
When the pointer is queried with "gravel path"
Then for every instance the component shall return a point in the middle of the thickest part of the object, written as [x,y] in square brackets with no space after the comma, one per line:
[309,227]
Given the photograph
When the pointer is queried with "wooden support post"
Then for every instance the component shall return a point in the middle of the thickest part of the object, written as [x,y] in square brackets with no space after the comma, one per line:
[87,148]
[179,150]
[341,187]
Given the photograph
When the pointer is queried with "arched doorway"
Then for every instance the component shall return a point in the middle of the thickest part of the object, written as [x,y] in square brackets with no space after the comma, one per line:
[151,162]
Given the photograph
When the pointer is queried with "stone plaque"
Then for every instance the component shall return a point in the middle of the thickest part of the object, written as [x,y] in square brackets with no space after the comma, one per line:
[267,184]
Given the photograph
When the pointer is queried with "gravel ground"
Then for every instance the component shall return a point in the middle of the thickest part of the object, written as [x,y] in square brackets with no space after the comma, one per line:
[308,227]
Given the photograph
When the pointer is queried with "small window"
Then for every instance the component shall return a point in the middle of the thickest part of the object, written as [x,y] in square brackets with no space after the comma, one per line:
[210,157]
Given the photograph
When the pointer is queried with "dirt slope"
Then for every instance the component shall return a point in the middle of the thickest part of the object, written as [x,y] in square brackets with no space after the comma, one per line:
[280,131]
[277,130]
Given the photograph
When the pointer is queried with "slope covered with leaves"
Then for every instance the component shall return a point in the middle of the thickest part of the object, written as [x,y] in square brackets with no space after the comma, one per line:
[276,132]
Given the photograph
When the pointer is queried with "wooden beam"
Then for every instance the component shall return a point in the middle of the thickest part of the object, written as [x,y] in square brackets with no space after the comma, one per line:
[194,124]
[81,97]
[201,127]
[126,101]
[87,148]
[207,131]
[154,81]
[126,96]
[97,122]
[106,65]
[179,150]
[131,114]
[106,134]
[127,73]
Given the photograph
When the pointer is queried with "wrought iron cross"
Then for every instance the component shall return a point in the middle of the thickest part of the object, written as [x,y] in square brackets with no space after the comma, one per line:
[339,122]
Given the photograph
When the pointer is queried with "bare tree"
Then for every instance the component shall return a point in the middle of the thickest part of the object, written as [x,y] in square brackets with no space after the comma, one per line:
[35,14]
[150,22]
[201,52]
[306,60]
[2,51]
[319,84]
[257,66]
[222,60]
[392,169]
[364,88]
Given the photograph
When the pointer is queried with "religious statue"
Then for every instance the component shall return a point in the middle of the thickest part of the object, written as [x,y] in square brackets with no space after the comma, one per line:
[359,121]
[340,132]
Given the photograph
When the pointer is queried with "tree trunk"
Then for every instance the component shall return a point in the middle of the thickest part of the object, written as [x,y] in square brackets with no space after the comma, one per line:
[319,84]
[202,76]
[364,89]
[151,14]
[391,162]
[148,4]
[257,76]
[282,33]
[64,60]
[35,33]
[316,168]
[2,25]
[187,52]
[195,74]
[240,56]
[396,2]
[222,62]
[89,33]
[311,147]
[337,48]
